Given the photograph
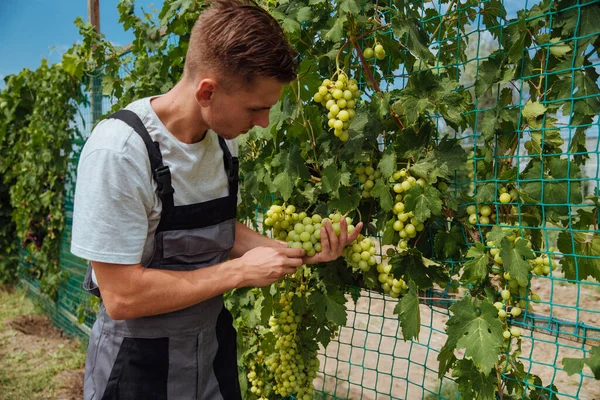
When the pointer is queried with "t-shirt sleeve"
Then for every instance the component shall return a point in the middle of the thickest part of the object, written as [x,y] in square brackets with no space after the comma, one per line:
[112,202]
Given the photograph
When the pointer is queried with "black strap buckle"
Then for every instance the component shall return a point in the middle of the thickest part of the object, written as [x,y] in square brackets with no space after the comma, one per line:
[162,175]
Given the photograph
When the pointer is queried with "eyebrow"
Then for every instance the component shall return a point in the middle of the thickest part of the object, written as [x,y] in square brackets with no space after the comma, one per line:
[258,108]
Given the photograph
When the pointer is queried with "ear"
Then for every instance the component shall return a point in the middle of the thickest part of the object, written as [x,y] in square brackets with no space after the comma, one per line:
[205,91]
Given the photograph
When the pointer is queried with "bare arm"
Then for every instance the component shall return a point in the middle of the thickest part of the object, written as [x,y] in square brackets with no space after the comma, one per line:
[132,291]
[246,239]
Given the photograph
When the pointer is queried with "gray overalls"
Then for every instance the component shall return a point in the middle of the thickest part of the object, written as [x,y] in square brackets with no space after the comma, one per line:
[186,354]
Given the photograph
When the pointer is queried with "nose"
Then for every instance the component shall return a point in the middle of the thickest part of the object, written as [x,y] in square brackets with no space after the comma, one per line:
[262,119]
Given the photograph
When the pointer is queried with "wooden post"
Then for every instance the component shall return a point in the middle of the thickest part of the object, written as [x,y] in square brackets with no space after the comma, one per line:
[96,87]
[94,13]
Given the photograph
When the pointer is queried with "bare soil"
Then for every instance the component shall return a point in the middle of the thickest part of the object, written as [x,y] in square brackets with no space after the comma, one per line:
[37,361]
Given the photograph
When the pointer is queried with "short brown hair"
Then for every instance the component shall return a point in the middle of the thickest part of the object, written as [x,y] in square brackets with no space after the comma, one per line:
[239,40]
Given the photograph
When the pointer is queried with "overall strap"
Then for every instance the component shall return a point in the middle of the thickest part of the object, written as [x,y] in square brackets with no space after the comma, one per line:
[232,167]
[160,172]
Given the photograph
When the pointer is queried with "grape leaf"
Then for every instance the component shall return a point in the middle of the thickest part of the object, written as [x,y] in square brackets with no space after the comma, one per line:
[486,193]
[389,234]
[551,136]
[290,25]
[449,243]
[335,33]
[514,259]
[323,336]
[423,201]
[304,14]
[489,73]
[559,49]
[292,162]
[267,305]
[557,191]
[358,123]
[382,191]
[575,365]
[492,11]
[476,270]
[451,153]
[586,100]
[416,40]
[329,307]
[516,39]
[533,110]
[442,162]
[387,165]
[345,200]
[409,313]
[349,6]
[475,327]
[330,178]
[283,184]
[581,255]
[489,125]
[472,383]
[412,265]
[380,104]
[496,235]
[578,145]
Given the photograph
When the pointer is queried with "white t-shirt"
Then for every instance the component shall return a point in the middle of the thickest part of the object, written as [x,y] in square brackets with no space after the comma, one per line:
[117,209]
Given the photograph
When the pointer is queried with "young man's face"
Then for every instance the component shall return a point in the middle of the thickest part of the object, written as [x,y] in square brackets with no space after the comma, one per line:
[234,112]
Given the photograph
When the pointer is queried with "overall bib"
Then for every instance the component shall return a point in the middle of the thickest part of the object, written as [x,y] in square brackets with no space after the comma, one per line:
[186,354]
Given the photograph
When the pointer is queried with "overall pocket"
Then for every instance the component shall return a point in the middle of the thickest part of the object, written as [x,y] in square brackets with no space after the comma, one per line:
[193,248]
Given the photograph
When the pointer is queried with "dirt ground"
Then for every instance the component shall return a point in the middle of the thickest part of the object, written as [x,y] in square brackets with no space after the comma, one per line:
[369,360]
[37,361]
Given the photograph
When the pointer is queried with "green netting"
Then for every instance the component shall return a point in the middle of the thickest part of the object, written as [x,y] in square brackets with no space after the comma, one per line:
[369,360]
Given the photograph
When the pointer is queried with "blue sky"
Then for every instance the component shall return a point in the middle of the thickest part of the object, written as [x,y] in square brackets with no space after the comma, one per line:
[31,30]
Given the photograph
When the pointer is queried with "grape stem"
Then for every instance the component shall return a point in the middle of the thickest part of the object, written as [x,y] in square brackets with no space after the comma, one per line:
[445,18]
[308,126]
[500,389]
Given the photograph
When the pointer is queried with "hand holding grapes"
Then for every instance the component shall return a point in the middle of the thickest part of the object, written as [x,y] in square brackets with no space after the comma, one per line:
[332,244]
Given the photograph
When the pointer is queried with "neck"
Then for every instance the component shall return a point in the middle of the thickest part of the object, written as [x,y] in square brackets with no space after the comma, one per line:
[179,112]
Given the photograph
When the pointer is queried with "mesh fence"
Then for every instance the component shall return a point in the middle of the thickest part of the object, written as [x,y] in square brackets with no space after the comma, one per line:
[369,360]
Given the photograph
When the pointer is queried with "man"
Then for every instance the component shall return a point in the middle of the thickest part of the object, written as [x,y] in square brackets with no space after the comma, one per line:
[155,214]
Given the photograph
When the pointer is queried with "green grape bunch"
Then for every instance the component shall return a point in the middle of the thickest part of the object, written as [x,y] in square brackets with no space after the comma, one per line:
[300,230]
[377,51]
[405,223]
[481,215]
[366,176]
[293,364]
[339,97]
[360,254]
[389,284]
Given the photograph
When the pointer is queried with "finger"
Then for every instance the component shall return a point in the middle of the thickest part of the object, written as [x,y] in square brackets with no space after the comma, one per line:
[289,270]
[325,245]
[333,238]
[355,232]
[281,243]
[343,239]
[294,262]
[294,253]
